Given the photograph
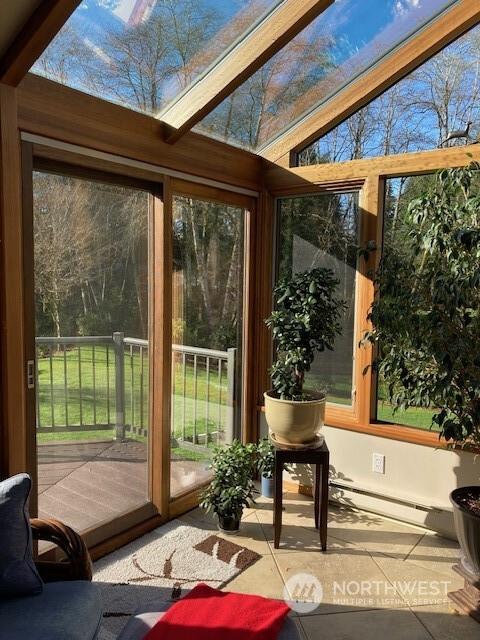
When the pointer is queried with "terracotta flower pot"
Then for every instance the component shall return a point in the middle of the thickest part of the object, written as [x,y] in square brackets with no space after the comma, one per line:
[293,421]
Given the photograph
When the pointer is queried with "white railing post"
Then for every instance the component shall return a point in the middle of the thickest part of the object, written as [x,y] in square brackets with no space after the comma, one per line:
[118,344]
[231,382]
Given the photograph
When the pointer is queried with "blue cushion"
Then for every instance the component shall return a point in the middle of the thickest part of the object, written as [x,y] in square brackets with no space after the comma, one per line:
[64,611]
[18,575]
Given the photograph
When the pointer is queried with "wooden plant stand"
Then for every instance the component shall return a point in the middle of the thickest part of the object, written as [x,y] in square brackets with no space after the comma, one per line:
[320,458]
[468,598]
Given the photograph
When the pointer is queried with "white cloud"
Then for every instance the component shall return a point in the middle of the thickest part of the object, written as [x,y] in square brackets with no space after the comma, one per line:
[402,7]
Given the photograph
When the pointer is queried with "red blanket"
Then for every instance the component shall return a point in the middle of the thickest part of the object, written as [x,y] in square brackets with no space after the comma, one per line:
[209,614]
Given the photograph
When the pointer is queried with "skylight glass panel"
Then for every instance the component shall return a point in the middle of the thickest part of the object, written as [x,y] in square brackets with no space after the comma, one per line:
[143,53]
[344,41]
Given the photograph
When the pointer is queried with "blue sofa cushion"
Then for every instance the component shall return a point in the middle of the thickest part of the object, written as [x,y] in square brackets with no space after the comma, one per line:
[64,611]
[18,575]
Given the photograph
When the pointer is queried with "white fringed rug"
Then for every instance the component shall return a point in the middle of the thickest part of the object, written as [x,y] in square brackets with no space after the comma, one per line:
[172,558]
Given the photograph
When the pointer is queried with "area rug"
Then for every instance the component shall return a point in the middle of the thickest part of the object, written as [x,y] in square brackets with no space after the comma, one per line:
[161,566]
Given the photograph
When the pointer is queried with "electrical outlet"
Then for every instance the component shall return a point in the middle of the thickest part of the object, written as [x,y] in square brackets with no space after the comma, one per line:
[378,463]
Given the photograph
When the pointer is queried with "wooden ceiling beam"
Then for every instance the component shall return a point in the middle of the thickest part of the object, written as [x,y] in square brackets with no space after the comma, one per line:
[271,35]
[37,33]
[279,180]
[414,52]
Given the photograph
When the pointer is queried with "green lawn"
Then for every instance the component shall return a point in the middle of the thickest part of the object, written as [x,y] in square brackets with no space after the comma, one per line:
[413,417]
[59,399]
[61,403]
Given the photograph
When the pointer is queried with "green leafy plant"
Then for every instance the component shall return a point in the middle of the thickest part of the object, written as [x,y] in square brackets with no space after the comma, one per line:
[426,318]
[265,458]
[306,320]
[232,486]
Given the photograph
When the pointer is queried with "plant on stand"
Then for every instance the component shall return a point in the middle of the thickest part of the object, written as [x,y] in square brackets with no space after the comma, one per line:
[265,464]
[426,323]
[306,321]
[232,486]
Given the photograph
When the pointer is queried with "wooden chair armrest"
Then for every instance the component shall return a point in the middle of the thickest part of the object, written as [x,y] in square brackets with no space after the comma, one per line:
[78,564]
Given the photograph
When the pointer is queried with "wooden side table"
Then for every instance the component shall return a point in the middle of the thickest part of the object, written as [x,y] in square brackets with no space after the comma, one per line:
[320,458]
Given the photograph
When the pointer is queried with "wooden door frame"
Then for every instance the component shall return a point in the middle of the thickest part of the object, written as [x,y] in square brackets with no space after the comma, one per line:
[109,534]
[190,498]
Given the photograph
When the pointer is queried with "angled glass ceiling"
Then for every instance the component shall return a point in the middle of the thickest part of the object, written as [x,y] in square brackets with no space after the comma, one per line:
[143,53]
[346,40]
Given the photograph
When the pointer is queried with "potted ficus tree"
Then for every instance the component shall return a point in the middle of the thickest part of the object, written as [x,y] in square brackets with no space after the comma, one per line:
[426,323]
[265,464]
[232,486]
[306,320]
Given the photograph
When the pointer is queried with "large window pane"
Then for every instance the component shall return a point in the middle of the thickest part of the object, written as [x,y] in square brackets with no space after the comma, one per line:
[346,40]
[91,325]
[142,54]
[208,250]
[416,114]
[321,231]
[399,193]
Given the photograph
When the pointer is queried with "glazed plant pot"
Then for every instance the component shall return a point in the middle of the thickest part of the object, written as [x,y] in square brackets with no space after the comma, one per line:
[293,421]
[467,526]
[267,487]
[229,524]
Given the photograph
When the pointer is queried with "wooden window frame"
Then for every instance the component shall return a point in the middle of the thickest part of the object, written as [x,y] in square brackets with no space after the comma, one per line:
[180,187]
[408,56]
[368,192]
[256,47]
[372,174]
[155,510]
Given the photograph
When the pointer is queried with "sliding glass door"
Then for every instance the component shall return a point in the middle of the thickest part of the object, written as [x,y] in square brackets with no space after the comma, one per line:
[91,289]
[207,334]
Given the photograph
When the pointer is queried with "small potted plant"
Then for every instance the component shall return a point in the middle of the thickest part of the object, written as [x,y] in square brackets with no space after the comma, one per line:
[265,463]
[426,322]
[232,486]
[306,321]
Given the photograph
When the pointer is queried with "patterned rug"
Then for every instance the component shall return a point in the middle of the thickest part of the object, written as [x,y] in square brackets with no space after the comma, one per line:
[161,566]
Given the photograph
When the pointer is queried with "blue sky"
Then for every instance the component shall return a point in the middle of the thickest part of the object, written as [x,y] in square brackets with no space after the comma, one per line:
[354,24]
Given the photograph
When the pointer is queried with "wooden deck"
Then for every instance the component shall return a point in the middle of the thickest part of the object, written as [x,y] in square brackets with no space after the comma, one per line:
[86,483]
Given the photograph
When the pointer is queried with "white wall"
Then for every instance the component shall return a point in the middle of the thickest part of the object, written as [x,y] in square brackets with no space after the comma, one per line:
[413,473]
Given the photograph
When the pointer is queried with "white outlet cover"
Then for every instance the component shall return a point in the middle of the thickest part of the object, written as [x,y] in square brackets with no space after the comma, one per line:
[378,463]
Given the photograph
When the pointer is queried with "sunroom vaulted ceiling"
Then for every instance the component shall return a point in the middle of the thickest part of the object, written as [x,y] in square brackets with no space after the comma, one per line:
[249,72]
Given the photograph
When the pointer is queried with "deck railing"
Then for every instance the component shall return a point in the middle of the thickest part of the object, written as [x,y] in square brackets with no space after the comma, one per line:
[102,382]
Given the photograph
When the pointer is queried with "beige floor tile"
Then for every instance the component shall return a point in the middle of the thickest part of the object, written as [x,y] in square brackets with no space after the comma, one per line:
[349,577]
[444,623]
[435,553]
[303,539]
[417,584]
[374,533]
[365,625]
[262,578]
[298,510]
[251,535]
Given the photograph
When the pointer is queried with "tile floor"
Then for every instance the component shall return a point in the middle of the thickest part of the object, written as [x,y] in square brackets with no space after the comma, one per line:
[380,578]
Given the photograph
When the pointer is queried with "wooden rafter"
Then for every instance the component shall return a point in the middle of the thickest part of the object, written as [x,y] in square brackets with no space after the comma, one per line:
[454,23]
[39,30]
[340,175]
[271,35]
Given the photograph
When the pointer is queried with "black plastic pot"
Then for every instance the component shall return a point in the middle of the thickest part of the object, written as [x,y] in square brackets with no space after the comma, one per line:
[229,524]
[467,526]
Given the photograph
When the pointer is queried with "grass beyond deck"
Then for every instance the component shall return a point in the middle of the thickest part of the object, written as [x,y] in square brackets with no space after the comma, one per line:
[95,366]
[61,403]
